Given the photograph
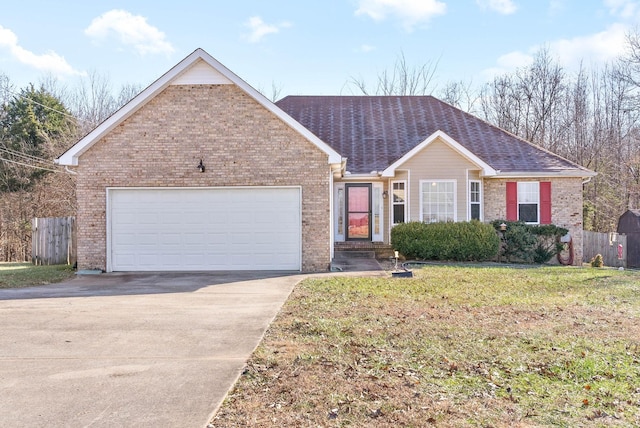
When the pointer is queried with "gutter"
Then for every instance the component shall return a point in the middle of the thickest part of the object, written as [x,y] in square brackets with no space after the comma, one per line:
[530,174]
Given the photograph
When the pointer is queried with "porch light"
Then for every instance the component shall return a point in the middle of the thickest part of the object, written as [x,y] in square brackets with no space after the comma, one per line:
[385,194]
[201,166]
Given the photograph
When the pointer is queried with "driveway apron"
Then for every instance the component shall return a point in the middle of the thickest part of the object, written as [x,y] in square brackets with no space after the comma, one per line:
[131,349]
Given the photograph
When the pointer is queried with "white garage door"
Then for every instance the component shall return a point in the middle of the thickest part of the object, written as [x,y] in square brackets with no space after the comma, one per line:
[254,228]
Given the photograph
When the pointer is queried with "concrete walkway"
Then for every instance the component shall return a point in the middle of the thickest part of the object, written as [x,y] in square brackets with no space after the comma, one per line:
[131,349]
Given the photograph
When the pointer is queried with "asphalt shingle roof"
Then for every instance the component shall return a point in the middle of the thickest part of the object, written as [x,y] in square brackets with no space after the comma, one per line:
[372,132]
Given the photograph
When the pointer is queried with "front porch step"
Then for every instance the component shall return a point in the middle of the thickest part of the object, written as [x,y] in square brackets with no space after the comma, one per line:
[354,261]
[353,254]
[381,250]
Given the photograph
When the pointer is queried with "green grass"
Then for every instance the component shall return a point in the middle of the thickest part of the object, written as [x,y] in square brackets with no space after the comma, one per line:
[453,346]
[18,275]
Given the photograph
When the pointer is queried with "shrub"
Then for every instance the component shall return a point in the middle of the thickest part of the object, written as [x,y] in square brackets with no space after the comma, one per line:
[548,243]
[597,261]
[462,241]
[529,243]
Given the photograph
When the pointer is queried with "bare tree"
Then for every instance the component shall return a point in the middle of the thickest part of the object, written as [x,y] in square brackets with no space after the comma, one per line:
[274,93]
[93,100]
[630,62]
[460,94]
[6,89]
[528,102]
[402,79]
[590,118]
[127,93]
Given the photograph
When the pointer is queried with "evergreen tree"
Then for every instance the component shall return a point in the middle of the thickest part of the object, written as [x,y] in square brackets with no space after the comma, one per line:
[34,127]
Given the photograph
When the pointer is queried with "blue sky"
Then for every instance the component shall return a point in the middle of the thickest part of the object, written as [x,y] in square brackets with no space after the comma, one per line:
[304,47]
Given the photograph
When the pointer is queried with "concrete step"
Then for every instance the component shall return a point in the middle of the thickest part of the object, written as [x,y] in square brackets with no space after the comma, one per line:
[382,251]
[352,254]
[355,261]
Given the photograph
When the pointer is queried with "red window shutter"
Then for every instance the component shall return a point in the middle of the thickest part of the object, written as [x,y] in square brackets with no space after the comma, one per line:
[512,201]
[545,202]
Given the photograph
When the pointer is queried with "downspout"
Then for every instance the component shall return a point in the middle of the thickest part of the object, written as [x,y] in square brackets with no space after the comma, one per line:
[331,225]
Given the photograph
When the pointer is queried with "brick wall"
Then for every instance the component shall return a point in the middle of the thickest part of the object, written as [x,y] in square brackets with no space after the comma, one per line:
[566,205]
[240,142]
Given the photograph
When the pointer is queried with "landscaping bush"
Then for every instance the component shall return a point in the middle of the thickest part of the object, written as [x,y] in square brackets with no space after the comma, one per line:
[463,241]
[529,243]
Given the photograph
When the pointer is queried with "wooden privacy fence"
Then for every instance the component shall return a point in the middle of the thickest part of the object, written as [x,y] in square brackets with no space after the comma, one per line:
[53,241]
[606,244]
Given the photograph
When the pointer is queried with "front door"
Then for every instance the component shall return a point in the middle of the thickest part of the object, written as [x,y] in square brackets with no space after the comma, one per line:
[358,203]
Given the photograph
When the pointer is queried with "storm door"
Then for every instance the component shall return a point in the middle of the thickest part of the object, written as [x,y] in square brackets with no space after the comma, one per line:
[358,202]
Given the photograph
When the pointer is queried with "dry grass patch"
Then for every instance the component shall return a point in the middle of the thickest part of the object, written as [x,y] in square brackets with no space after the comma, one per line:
[454,346]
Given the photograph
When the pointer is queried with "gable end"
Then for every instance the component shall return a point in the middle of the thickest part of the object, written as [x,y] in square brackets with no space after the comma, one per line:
[487,171]
[191,69]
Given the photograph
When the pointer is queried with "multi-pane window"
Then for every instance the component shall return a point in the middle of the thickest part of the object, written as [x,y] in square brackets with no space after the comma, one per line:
[398,201]
[474,200]
[528,201]
[438,201]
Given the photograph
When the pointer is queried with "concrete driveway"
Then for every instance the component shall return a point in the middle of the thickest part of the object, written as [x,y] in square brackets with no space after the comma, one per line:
[131,349]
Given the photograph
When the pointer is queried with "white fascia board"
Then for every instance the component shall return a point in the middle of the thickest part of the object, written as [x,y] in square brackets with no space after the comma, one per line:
[360,177]
[577,173]
[487,170]
[70,157]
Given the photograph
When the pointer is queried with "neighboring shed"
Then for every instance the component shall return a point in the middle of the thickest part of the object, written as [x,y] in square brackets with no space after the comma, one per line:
[629,224]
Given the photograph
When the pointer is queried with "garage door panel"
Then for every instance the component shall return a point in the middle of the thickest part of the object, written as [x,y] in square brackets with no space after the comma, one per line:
[147,239]
[168,239]
[264,241]
[205,229]
[147,217]
[170,259]
[217,239]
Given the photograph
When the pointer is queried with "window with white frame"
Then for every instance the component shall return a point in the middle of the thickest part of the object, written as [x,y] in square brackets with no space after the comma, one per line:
[437,200]
[528,201]
[398,202]
[474,200]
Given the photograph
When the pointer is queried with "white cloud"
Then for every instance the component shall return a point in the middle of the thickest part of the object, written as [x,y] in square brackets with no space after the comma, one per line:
[258,28]
[50,62]
[366,48]
[515,60]
[597,48]
[623,8]
[504,7]
[556,7]
[409,12]
[509,62]
[131,30]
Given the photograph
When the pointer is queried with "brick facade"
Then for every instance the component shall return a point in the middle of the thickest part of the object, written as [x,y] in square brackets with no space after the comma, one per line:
[240,142]
[566,205]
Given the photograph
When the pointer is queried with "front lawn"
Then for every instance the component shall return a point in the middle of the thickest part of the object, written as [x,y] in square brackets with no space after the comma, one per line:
[17,275]
[453,346]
